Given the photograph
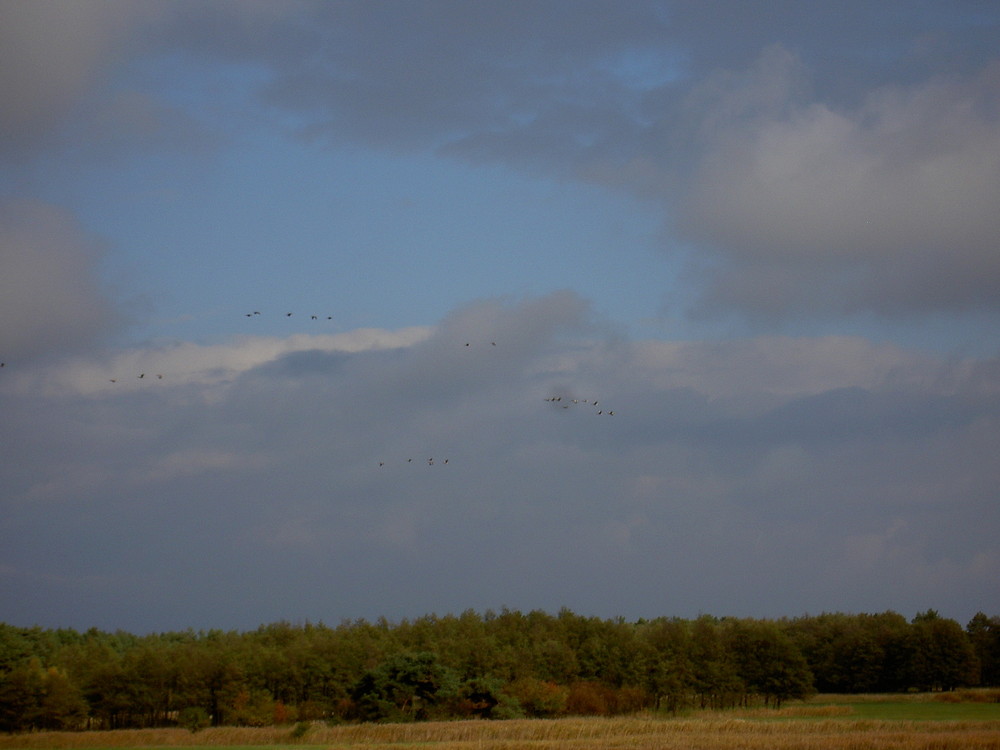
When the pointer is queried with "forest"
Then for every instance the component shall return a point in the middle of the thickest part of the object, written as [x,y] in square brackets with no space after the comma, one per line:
[491,665]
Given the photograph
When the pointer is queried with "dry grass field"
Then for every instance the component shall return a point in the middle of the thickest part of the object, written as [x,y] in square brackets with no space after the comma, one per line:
[802,727]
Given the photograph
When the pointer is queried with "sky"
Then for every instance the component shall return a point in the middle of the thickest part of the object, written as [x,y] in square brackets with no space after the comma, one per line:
[317,311]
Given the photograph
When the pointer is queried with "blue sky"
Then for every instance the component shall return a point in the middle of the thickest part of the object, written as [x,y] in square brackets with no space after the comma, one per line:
[763,235]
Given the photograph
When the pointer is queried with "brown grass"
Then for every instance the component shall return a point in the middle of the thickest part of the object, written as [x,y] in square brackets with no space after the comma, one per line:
[715,732]
[980,695]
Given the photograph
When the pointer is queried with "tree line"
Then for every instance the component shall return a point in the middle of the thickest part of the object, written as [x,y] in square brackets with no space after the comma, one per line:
[493,665]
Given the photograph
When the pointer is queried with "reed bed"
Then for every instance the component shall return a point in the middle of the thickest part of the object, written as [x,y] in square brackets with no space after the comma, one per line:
[622,733]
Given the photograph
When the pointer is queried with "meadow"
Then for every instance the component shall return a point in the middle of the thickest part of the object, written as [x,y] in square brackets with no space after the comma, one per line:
[853,722]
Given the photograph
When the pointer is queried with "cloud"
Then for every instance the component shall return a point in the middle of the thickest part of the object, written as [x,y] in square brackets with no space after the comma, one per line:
[51,298]
[806,177]
[887,208]
[205,366]
[800,176]
[483,69]
[307,461]
[797,196]
[51,55]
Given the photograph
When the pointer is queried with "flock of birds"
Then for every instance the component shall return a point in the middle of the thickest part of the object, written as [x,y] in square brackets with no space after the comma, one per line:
[430,462]
[141,376]
[571,402]
[287,315]
[565,402]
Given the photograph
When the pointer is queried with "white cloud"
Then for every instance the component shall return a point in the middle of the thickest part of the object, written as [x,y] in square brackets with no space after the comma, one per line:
[175,364]
[887,208]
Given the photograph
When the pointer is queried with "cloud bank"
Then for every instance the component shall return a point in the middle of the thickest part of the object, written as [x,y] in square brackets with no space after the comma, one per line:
[801,164]
[410,472]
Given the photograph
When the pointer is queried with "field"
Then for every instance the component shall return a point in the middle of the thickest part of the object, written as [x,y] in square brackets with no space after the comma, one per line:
[853,722]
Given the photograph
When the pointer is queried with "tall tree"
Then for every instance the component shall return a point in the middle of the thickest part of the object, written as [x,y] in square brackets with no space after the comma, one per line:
[943,658]
[767,661]
[984,637]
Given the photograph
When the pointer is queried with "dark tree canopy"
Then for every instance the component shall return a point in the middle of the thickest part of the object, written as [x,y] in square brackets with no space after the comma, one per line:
[494,665]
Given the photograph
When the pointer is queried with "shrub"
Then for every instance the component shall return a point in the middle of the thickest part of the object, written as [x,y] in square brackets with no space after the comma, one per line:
[537,698]
[193,718]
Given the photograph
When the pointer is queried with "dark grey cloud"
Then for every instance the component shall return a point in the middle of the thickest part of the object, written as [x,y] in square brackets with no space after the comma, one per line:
[808,162]
[701,493]
[52,55]
[51,296]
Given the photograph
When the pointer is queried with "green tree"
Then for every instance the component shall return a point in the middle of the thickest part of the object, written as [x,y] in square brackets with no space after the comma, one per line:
[984,637]
[713,673]
[20,695]
[61,704]
[408,686]
[943,658]
[767,661]
[668,669]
